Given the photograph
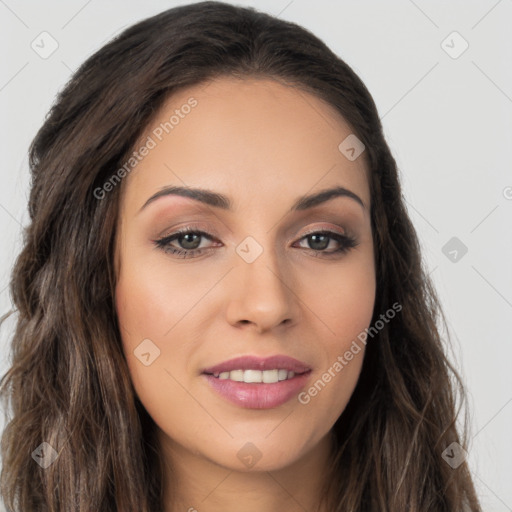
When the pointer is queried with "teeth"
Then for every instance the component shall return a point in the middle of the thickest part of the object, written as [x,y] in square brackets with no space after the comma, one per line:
[254,376]
[283,374]
[270,376]
[237,375]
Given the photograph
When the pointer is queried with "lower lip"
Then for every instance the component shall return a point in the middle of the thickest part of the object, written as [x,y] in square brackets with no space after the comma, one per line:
[258,395]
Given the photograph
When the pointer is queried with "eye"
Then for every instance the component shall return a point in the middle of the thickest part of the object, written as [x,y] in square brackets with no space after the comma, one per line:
[190,242]
[188,238]
[318,241]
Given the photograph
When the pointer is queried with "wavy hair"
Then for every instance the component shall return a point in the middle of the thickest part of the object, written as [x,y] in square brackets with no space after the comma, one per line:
[68,382]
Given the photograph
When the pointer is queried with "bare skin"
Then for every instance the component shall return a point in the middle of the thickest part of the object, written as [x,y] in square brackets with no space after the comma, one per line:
[263,145]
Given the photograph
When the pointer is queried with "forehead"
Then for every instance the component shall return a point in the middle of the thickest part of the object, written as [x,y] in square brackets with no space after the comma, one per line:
[252,139]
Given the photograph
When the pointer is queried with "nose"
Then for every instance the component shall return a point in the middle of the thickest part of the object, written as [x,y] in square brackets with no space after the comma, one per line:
[262,294]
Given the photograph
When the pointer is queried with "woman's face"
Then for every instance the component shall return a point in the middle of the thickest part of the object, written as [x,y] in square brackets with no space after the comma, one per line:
[255,283]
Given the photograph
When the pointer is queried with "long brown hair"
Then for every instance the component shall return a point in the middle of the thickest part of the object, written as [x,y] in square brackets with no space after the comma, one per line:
[68,384]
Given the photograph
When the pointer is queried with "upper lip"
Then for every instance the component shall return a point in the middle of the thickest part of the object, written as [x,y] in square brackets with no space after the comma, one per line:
[281,362]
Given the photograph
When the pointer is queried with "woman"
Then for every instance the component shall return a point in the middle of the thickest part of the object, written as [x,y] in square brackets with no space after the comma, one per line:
[221,299]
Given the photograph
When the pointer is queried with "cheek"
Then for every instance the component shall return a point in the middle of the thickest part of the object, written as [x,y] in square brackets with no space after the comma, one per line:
[342,300]
[344,306]
[150,302]
[146,311]
[157,362]
[352,306]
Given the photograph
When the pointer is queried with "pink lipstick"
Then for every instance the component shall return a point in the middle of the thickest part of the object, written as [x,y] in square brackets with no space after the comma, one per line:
[258,383]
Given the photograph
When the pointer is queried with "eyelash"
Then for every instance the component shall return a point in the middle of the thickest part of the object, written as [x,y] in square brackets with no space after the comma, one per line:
[347,243]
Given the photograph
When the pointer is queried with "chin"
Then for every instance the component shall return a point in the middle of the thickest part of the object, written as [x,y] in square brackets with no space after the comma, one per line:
[258,455]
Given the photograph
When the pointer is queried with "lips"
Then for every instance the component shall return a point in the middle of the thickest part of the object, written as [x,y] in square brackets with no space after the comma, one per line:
[279,362]
[250,382]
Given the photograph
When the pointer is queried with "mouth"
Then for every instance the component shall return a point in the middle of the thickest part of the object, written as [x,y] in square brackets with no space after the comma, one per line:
[258,383]
[257,376]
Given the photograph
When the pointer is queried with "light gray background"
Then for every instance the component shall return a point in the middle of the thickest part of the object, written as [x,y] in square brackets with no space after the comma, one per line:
[448,122]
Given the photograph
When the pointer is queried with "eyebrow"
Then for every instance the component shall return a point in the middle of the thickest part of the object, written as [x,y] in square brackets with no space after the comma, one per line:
[223,202]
